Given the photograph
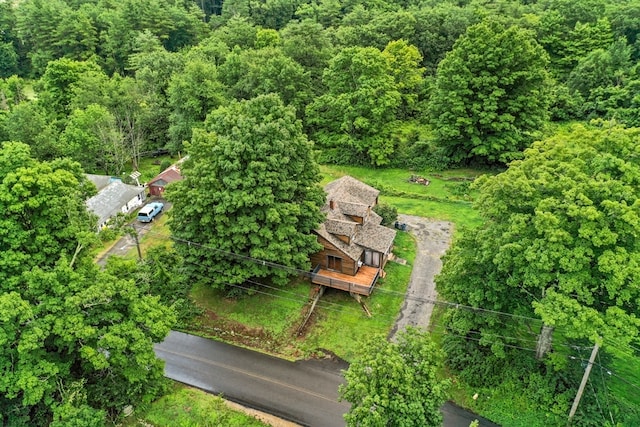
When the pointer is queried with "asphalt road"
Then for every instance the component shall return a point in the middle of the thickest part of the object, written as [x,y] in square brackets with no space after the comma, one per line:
[305,392]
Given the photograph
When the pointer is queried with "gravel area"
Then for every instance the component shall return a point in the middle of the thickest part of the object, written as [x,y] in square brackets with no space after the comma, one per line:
[434,238]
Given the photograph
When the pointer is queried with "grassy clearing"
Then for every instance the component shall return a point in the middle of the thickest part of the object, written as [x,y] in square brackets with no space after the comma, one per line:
[266,319]
[341,324]
[462,215]
[623,392]
[447,197]
[186,406]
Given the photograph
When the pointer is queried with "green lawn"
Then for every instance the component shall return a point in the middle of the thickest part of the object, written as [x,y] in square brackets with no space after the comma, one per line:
[190,407]
[266,319]
[447,197]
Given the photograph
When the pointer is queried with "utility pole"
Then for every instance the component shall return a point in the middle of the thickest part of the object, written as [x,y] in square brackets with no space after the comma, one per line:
[134,234]
[585,377]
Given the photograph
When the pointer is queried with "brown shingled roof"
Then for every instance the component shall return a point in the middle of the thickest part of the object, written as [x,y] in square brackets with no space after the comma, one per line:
[376,237]
[349,189]
[352,251]
[354,198]
[342,228]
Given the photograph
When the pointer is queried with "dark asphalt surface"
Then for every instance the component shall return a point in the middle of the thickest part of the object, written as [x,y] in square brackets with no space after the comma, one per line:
[305,392]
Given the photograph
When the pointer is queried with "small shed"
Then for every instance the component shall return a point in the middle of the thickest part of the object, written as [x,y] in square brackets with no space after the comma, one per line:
[158,184]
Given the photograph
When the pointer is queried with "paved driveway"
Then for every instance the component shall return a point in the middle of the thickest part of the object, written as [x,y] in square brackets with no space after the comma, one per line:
[127,242]
[434,238]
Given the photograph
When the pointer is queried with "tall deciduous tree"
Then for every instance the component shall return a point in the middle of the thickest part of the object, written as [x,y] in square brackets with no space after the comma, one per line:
[91,138]
[404,61]
[317,50]
[75,342]
[249,73]
[28,122]
[353,118]
[559,240]
[490,94]
[43,212]
[396,383]
[65,328]
[193,93]
[56,85]
[250,189]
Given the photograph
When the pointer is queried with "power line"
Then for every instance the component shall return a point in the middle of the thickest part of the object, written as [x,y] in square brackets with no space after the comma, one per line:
[303,299]
[606,392]
[330,306]
[609,372]
[308,274]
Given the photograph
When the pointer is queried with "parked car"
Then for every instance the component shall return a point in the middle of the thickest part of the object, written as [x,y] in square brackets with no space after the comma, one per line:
[150,211]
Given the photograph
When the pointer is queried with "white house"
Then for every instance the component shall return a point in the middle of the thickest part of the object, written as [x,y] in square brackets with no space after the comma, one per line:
[114,196]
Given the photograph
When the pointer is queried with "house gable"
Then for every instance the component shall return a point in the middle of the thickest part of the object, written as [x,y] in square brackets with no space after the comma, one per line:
[351,226]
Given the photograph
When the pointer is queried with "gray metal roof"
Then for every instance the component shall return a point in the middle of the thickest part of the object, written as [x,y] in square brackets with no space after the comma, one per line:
[100,181]
[110,200]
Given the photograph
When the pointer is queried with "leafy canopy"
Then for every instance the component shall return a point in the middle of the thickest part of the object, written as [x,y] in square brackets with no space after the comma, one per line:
[490,93]
[250,189]
[396,383]
[559,240]
[76,343]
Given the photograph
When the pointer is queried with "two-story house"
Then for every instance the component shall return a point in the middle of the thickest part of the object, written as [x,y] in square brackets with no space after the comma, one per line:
[355,246]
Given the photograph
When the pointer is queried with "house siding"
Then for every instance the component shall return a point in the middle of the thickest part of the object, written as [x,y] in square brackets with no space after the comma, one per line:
[349,266]
[357,219]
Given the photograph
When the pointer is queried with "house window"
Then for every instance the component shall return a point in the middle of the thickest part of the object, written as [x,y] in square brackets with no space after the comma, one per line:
[334,263]
[372,258]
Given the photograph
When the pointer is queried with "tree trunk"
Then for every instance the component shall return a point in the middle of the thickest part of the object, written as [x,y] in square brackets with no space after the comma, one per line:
[544,341]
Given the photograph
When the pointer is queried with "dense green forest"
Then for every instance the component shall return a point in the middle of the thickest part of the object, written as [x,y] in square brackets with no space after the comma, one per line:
[547,91]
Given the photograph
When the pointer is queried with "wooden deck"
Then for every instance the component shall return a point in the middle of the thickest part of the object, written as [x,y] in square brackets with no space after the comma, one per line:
[362,283]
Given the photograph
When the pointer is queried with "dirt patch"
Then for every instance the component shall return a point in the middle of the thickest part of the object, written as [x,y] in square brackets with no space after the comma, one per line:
[210,324]
[262,416]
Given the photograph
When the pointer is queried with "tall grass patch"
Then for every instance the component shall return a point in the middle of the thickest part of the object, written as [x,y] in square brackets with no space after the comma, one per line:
[269,314]
[186,406]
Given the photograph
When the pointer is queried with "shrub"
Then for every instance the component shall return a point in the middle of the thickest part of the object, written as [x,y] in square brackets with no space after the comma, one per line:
[388,213]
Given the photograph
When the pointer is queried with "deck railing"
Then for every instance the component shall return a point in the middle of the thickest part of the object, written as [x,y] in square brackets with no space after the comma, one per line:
[344,285]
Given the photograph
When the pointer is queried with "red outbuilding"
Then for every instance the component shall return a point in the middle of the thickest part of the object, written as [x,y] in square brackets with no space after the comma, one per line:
[169,175]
